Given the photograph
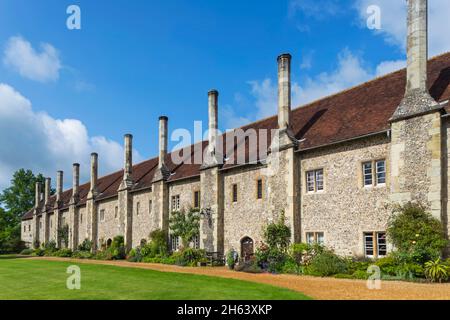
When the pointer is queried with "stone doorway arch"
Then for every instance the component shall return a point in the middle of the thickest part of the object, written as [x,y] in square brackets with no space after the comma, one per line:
[247,248]
[108,243]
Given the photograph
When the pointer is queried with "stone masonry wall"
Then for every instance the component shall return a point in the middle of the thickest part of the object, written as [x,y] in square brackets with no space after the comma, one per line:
[146,221]
[249,215]
[109,227]
[345,209]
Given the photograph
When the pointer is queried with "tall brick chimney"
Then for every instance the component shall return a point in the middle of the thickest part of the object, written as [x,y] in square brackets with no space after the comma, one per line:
[47,190]
[417,99]
[37,194]
[128,159]
[59,185]
[94,175]
[212,156]
[162,141]
[284,90]
[75,181]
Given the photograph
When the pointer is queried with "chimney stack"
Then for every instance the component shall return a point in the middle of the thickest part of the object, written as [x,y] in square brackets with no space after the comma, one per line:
[128,150]
[284,90]
[417,99]
[94,173]
[162,141]
[417,45]
[75,179]
[37,194]
[213,96]
[47,190]
[59,185]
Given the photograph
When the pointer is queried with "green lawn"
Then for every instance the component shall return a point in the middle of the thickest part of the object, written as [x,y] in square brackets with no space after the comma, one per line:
[22,278]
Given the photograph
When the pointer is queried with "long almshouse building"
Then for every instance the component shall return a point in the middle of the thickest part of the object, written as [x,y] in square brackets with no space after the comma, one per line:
[335,167]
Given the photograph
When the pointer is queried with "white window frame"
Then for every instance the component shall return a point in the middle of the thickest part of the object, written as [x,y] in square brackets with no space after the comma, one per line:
[377,172]
[176,202]
[315,180]
[367,175]
[313,237]
[376,244]
[174,243]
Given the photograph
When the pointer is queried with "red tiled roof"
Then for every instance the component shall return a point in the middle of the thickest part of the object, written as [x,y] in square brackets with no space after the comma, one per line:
[356,112]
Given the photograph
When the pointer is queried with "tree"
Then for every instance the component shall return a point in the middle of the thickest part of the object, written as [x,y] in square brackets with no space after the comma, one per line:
[14,202]
[416,234]
[19,197]
[185,225]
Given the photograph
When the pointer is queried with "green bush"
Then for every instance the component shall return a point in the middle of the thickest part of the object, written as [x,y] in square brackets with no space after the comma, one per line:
[86,245]
[344,276]
[39,252]
[327,264]
[232,256]
[189,257]
[360,274]
[278,235]
[388,265]
[250,266]
[292,267]
[64,253]
[437,271]
[416,234]
[50,248]
[82,255]
[27,252]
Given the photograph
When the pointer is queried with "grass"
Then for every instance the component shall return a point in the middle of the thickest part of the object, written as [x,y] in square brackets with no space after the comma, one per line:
[26,279]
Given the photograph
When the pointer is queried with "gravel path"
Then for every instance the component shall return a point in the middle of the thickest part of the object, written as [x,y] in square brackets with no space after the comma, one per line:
[317,288]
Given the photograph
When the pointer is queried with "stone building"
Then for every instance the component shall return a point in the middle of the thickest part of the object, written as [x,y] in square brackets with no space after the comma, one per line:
[334,167]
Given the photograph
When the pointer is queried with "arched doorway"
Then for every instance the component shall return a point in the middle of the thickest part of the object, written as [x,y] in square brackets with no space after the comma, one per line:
[246,248]
[108,243]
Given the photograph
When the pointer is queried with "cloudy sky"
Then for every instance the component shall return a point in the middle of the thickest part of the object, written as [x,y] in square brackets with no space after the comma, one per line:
[66,93]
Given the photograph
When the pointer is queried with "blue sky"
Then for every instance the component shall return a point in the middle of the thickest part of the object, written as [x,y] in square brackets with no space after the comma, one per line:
[133,61]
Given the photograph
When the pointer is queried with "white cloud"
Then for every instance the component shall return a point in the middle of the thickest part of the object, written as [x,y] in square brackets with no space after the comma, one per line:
[350,71]
[44,144]
[394,27]
[40,66]
[386,67]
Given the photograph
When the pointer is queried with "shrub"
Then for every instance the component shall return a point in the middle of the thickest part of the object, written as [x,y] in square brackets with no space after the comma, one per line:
[327,264]
[158,242]
[388,265]
[64,253]
[360,274]
[303,253]
[86,245]
[50,248]
[189,257]
[27,252]
[292,267]
[82,255]
[39,252]
[277,235]
[250,266]
[418,236]
[232,257]
[436,271]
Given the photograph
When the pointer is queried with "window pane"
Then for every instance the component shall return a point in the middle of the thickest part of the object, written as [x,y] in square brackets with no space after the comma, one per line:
[310,181]
[381,172]
[259,186]
[368,244]
[367,173]
[320,238]
[310,237]
[382,249]
[319,180]
[234,192]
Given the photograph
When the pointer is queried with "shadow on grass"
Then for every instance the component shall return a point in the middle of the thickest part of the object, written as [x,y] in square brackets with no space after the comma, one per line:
[13,256]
